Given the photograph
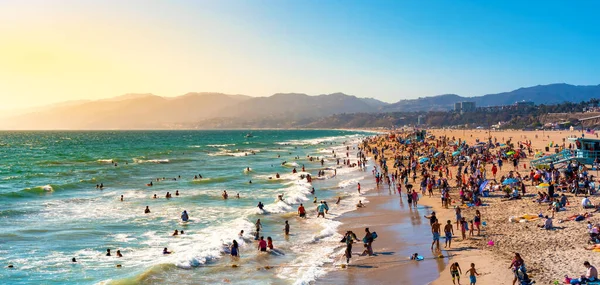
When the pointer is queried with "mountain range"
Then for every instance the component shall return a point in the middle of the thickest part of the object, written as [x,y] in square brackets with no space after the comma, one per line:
[217,110]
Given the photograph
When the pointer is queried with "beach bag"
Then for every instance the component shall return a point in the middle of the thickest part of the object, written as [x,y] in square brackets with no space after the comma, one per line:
[374,235]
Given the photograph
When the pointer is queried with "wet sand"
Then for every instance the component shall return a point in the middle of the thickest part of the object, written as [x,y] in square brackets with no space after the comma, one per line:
[401,231]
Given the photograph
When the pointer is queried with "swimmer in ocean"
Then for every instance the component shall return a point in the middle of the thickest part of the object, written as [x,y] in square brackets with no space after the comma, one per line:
[176,192]
[73,259]
[108,252]
[338,200]
[237,195]
[166,251]
[184,216]
[225,195]
[147,210]
[119,253]
[241,234]
[154,197]
[121,198]
[260,205]
[175,233]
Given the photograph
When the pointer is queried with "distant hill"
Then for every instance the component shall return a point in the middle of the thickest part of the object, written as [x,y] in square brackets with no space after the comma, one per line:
[133,111]
[541,94]
[298,106]
[216,110]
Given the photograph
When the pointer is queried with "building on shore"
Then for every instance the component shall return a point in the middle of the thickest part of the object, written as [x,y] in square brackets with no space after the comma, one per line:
[463,107]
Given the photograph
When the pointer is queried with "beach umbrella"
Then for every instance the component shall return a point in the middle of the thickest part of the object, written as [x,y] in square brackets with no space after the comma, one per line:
[510,153]
[509,181]
[456,153]
[437,154]
[423,159]
[482,186]
[543,185]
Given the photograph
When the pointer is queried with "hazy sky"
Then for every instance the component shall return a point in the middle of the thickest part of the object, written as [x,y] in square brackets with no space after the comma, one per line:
[54,50]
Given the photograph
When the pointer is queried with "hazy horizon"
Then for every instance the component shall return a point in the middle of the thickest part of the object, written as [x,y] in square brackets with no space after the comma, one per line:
[56,51]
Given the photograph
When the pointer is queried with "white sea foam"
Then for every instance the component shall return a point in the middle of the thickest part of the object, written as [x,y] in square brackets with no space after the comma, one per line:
[137,160]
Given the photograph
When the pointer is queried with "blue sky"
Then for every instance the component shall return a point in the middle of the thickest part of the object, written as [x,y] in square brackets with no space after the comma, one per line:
[389,50]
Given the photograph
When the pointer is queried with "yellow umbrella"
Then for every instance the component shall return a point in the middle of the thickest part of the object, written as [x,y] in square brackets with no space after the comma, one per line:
[543,185]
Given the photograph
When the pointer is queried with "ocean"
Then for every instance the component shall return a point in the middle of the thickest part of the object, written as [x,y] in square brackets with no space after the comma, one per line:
[51,210]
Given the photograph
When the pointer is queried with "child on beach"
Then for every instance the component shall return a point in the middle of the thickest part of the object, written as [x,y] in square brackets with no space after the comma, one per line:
[472,274]
[471,228]
[463,228]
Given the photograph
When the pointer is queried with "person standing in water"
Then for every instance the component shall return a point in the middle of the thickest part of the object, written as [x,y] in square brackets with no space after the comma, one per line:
[147,210]
[184,216]
[301,211]
[286,229]
[262,244]
[235,250]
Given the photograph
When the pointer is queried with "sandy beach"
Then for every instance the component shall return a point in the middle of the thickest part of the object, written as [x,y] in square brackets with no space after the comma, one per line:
[549,254]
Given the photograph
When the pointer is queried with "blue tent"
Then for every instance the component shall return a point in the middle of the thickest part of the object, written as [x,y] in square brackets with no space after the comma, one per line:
[509,181]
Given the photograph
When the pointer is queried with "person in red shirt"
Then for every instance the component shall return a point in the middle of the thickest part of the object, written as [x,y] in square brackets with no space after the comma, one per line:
[301,211]
[262,244]
[494,170]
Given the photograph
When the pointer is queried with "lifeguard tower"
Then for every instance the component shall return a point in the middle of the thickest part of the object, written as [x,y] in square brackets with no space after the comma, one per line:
[586,151]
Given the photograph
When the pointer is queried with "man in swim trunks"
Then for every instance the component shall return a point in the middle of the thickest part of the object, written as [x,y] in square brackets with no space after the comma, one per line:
[449,232]
[435,230]
[454,270]
[286,229]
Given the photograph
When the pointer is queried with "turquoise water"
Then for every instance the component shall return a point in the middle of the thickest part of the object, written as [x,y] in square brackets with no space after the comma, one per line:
[51,210]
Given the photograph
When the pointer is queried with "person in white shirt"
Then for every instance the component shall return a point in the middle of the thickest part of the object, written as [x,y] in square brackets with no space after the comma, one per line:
[586,203]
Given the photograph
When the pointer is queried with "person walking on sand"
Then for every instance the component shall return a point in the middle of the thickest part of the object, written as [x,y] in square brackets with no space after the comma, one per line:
[472,273]
[368,240]
[458,216]
[349,239]
[464,226]
[435,230]
[449,232]
[477,221]
[514,266]
[455,271]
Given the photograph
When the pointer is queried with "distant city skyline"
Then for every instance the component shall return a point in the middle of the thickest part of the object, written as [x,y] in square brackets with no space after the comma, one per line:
[54,51]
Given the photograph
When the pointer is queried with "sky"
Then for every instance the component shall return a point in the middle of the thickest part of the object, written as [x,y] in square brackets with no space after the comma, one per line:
[53,51]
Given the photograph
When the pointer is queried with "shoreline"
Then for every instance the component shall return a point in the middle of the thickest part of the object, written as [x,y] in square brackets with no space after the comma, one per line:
[402,231]
[539,248]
